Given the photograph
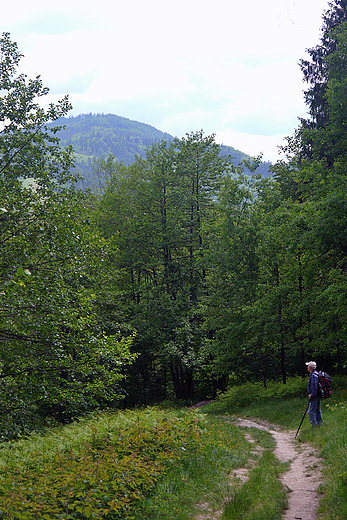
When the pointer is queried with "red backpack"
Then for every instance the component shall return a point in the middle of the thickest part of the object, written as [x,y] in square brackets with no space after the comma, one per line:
[324,381]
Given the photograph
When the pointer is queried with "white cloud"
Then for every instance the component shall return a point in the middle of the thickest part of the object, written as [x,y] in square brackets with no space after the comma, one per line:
[253,145]
[229,68]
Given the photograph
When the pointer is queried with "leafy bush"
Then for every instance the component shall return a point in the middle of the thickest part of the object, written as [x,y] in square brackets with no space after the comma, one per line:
[102,477]
[201,479]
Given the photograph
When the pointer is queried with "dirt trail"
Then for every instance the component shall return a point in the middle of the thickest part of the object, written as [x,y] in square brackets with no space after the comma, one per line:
[303,476]
[301,480]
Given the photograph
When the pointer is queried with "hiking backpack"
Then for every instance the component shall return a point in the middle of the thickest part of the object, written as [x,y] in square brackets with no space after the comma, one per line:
[324,381]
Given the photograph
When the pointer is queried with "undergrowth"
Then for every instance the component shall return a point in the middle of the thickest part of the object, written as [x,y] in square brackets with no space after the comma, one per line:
[112,462]
[202,477]
[172,464]
[276,401]
[129,465]
[285,405]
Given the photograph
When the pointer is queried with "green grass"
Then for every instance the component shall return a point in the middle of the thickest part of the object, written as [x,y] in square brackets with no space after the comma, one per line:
[278,403]
[262,497]
[172,464]
[201,476]
[262,438]
[285,405]
[128,465]
[98,468]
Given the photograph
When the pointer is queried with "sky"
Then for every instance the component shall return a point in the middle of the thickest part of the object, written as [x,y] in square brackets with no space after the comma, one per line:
[228,67]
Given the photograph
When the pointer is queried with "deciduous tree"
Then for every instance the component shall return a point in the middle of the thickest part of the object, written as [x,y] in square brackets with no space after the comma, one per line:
[54,356]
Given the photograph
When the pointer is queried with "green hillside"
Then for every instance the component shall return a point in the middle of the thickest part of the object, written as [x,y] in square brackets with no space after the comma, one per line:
[95,135]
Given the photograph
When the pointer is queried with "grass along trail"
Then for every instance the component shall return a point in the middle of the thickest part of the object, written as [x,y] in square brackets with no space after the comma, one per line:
[224,461]
[314,476]
[303,476]
[301,480]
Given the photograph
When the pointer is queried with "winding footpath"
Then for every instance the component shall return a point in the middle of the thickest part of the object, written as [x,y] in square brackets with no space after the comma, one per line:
[303,476]
[301,480]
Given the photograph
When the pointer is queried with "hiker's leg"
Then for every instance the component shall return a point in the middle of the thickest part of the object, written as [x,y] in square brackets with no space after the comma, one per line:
[312,412]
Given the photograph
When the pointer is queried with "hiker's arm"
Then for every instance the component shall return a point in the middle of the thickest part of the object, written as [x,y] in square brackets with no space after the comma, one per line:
[314,387]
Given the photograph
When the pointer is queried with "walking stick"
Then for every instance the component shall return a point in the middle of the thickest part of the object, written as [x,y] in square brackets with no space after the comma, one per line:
[302,420]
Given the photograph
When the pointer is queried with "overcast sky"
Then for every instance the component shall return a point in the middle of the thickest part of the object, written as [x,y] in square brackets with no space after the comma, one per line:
[229,67]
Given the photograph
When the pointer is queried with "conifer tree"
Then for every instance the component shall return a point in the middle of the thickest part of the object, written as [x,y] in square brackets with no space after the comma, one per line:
[311,138]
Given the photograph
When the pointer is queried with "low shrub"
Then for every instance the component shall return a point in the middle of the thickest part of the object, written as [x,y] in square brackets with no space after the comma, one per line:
[238,397]
[102,477]
[201,479]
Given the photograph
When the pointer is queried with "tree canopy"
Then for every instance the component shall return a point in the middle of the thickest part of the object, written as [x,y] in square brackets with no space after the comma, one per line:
[97,136]
[55,358]
[183,272]
[232,277]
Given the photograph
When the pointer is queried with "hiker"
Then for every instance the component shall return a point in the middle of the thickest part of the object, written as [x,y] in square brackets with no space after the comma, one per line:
[314,411]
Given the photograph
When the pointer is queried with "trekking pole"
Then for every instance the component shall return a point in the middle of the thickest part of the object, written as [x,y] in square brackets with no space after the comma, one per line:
[302,420]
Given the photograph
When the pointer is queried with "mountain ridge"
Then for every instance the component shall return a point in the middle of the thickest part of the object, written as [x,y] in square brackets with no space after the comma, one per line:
[93,136]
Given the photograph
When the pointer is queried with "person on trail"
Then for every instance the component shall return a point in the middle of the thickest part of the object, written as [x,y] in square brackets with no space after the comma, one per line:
[314,411]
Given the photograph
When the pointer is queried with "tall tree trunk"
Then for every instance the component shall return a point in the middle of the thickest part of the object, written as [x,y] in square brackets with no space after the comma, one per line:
[301,342]
[282,346]
[262,368]
[303,371]
[283,364]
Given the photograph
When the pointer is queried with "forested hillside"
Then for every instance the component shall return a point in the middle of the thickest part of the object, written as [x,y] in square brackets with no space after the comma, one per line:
[183,274]
[94,136]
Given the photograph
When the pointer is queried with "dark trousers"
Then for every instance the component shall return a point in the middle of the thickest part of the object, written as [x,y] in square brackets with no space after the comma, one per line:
[314,412]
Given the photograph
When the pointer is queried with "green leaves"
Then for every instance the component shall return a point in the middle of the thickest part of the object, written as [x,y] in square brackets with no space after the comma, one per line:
[103,476]
[55,357]
[156,211]
[27,148]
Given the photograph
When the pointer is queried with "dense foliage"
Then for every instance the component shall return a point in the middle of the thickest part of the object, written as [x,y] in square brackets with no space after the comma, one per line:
[181,272]
[55,359]
[230,277]
[97,136]
[116,462]
[155,210]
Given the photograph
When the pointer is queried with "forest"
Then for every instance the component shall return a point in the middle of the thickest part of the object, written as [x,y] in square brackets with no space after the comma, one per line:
[97,136]
[181,274]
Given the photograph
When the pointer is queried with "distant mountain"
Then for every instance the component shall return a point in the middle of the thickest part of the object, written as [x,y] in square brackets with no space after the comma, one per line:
[95,135]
